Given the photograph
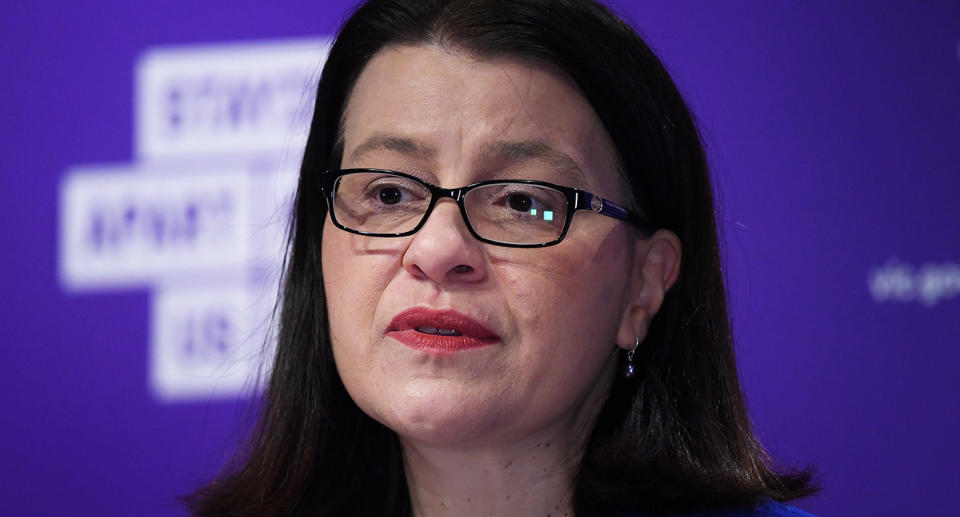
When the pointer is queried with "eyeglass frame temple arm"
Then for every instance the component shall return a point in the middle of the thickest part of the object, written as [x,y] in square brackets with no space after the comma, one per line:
[587,201]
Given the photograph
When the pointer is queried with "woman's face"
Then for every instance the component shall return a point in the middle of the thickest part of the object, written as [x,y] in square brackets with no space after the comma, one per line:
[538,327]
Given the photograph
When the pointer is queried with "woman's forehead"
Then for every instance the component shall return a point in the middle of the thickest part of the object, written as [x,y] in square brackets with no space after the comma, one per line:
[448,110]
[502,151]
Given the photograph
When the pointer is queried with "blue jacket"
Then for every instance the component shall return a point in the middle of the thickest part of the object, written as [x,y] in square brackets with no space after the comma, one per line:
[765,509]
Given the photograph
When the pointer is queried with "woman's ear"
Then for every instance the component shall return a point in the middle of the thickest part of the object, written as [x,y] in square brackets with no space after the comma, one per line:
[656,268]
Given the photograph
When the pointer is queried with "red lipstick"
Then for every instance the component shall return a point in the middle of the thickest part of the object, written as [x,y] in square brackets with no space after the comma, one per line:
[439,331]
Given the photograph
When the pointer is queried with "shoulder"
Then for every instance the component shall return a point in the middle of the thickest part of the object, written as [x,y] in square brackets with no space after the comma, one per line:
[767,508]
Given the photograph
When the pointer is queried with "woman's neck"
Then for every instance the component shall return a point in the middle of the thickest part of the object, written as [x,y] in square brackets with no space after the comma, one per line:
[531,478]
[511,473]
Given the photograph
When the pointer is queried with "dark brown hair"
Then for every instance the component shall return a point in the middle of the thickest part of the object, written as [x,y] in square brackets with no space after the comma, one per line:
[678,438]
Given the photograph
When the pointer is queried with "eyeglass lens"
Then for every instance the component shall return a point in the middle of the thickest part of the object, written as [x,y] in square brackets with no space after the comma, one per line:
[512,213]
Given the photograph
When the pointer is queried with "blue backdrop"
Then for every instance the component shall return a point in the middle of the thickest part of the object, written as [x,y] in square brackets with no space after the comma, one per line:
[129,157]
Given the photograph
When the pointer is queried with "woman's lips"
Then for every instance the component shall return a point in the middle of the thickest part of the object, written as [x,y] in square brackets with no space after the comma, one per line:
[441,331]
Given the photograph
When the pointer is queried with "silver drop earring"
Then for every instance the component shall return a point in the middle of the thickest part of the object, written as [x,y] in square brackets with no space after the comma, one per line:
[630,369]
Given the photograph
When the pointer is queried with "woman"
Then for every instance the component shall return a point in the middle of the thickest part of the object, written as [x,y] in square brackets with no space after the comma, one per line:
[503,293]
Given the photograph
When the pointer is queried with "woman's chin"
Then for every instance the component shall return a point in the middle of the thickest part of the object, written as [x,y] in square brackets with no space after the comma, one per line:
[442,419]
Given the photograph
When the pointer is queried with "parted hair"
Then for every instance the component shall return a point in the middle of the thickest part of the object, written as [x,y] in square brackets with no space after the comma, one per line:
[675,438]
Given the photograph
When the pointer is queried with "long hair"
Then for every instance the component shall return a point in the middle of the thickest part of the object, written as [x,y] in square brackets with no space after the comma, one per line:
[678,438]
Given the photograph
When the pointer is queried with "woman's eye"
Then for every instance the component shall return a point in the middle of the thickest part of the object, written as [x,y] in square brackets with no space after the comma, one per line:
[516,202]
[528,201]
[390,195]
[520,202]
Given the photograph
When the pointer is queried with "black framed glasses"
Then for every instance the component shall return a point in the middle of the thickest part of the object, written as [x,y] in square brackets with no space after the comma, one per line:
[514,213]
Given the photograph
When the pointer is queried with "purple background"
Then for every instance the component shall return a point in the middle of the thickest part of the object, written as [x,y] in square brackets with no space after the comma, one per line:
[834,137]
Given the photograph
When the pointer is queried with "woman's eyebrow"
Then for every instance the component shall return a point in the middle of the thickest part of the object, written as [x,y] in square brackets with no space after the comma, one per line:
[502,151]
[399,144]
[536,150]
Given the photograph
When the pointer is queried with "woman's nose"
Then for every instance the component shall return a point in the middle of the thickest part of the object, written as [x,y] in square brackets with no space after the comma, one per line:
[444,250]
